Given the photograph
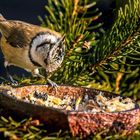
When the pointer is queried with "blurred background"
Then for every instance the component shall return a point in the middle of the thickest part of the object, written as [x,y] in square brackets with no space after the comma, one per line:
[29,10]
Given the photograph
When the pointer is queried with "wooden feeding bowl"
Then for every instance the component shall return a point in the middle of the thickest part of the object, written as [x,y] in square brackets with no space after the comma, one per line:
[81,123]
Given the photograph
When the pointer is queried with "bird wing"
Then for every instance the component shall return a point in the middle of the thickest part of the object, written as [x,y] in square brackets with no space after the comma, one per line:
[17,33]
[17,38]
[20,34]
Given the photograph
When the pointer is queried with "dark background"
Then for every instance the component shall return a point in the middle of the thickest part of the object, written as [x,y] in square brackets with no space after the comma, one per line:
[28,10]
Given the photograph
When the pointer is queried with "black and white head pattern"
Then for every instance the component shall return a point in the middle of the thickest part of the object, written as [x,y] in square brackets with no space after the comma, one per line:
[47,50]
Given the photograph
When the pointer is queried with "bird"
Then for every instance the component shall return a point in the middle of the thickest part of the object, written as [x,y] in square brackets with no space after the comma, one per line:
[31,47]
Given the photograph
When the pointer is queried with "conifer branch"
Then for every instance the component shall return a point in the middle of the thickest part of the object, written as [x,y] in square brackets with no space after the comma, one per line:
[123,38]
[66,17]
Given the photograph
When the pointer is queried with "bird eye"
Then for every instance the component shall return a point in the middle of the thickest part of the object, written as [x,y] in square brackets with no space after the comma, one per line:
[45,61]
[57,58]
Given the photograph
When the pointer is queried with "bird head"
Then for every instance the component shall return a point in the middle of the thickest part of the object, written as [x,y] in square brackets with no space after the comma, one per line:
[48,50]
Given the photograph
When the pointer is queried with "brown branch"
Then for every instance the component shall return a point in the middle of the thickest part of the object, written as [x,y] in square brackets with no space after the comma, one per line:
[75,7]
[73,45]
[122,44]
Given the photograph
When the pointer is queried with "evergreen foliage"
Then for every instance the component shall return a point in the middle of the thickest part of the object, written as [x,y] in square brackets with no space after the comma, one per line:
[117,54]
[73,18]
[110,62]
[107,62]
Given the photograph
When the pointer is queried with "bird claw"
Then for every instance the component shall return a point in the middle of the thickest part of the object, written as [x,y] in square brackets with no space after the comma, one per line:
[53,84]
[12,81]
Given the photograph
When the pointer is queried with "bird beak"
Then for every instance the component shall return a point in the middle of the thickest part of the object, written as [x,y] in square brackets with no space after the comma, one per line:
[62,39]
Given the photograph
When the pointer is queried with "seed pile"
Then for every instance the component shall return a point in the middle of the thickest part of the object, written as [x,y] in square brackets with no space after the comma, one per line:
[98,103]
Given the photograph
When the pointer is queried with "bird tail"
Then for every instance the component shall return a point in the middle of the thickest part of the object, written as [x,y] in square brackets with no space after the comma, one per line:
[1,17]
